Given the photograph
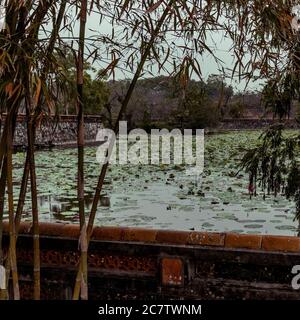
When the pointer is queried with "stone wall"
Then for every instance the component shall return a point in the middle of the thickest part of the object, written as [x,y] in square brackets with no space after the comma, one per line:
[254,124]
[57,132]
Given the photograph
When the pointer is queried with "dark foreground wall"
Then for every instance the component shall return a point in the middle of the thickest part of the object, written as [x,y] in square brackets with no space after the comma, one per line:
[129,263]
[56,131]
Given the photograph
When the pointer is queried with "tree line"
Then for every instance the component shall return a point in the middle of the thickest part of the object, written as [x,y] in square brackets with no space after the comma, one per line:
[158,101]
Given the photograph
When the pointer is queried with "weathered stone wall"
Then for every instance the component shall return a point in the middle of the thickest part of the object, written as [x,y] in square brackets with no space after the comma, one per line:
[254,124]
[55,132]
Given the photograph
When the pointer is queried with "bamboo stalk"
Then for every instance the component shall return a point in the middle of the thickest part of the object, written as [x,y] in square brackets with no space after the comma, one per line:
[121,112]
[12,230]
[22,195]
[31,142]
[30,162]
[35,213]
[80,143]
[3,293]
[19,211]
[11,119]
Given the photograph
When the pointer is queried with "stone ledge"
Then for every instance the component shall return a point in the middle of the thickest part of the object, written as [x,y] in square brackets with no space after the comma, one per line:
[194,238]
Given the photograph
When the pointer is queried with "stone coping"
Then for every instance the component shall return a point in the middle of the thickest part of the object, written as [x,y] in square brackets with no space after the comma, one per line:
[153,236]
[65,118]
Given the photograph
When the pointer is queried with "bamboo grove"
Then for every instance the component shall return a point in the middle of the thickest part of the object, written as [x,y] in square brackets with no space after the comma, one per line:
[145,37]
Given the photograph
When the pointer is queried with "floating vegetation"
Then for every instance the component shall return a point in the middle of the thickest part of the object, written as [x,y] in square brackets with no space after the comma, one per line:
[219,203]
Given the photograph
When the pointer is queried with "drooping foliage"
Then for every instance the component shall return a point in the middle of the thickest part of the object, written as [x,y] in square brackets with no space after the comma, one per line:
[274,165]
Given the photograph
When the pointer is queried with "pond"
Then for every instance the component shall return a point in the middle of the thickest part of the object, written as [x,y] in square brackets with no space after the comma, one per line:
[161,196]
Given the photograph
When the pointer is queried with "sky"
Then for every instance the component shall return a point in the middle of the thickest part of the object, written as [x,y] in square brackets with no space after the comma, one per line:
[1,16]
[208,65]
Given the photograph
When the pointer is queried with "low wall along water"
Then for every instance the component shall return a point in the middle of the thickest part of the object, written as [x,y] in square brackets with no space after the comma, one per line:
[60,131]
[255,124]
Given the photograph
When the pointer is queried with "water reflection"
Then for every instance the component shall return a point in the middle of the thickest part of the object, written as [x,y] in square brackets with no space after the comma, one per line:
[63,208]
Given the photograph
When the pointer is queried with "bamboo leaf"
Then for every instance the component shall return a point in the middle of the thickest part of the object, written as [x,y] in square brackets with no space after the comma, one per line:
[154,6]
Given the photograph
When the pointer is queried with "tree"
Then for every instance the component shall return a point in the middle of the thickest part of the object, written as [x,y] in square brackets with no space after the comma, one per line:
[199,109]
[95,92]
[277,96]
[218,89]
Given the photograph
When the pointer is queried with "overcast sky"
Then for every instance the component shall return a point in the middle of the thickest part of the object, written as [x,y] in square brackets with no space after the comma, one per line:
[208,64]
[217,41]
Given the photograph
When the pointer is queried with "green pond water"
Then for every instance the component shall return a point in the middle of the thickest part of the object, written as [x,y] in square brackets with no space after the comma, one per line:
[161,196]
